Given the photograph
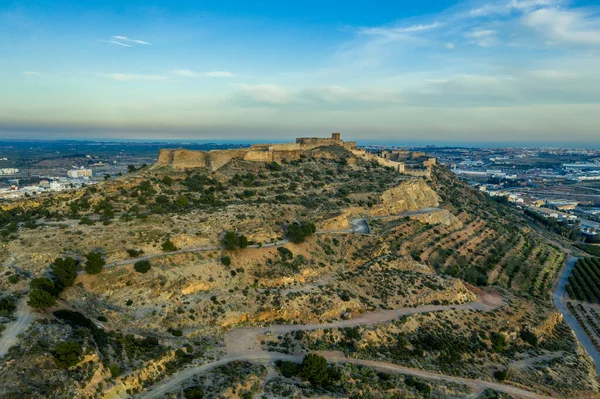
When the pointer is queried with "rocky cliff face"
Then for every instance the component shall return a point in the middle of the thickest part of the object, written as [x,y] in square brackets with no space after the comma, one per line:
[411,195]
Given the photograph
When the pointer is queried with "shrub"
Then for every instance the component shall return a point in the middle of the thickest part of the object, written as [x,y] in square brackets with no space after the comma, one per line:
[299,231]
[65,272]
[288,369]
[7,306]
[40,299]
[231,241]
[142,266]
[168,246]
[175,333]
[135,253]
[529,337]
[314,369]
[67,354]
[115,370]
[44,284]
[501,375]
[95,263]
[498,342]
[226,260]
[193,393]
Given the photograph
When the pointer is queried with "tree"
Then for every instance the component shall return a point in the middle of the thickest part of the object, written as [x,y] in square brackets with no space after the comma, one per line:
[314,369]
[131,168]
[67,354]
[168,246]
[95,263]
[115,370]
[498,342]
[229,240]
[142,266]
[167,181]
[226,260]
[182,201]
[193,393]
[44,284]
[65,272]
[40,299]
[299,231]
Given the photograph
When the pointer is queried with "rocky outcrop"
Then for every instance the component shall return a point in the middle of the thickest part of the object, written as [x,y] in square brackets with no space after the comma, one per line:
[442,216]
[411,195]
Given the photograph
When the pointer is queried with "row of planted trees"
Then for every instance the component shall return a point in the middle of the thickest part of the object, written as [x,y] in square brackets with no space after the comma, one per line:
[584,282]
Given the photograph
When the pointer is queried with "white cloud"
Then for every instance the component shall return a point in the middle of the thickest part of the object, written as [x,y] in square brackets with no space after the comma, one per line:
[124,77]
[506,7]
[31,73]
[449,46]
[126,39]
[219,74]
[119,43]
[395,32]
[568,26]
[482,37]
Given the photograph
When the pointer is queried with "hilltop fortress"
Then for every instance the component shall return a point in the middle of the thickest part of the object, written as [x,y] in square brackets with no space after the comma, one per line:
[412,163]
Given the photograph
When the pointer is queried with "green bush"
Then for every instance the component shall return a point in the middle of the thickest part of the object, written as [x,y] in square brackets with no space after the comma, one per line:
[65,272]
[67,354]
[314,369]
[40,299]
[44,284]
[168,246]
[231,241]
[298,232]
[226,260]
[501,375]
[7,306]
[193,393]
[142,266]
[498,342]
[288,369]
[95,263]
[529,337]
[115,370]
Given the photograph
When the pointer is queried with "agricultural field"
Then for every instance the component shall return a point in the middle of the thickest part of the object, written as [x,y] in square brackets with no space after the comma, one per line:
[584,282]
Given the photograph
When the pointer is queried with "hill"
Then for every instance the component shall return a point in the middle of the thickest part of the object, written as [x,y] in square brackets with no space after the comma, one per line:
[339,249]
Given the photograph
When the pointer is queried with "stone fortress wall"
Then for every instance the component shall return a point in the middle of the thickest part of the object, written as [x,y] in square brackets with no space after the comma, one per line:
[412,163]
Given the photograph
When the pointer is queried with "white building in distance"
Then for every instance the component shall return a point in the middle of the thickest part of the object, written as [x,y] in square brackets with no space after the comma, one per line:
[79,173]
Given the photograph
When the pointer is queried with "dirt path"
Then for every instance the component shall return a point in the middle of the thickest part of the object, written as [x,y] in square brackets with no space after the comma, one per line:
[24,315]
[185,251]
[243,344]
[523,363]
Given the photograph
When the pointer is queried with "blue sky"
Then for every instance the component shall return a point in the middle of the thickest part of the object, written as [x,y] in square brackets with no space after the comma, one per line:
[512,70]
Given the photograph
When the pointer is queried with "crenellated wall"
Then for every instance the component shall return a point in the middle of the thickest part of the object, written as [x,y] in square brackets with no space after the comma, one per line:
[213,160]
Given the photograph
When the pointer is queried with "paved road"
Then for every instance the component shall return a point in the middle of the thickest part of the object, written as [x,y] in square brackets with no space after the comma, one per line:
[561,304]
[361,225]
[24,317]
[244,345]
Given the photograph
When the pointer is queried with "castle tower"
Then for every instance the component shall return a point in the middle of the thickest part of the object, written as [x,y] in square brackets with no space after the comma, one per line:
[336,136]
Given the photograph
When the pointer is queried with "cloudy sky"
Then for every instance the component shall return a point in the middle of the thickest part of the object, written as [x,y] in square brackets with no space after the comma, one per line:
[412,70]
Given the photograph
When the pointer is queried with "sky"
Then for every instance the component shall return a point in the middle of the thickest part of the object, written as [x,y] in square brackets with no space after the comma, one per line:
[412,70]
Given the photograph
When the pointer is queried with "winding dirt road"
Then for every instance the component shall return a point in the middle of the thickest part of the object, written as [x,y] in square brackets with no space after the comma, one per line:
[244,344]
[24,315]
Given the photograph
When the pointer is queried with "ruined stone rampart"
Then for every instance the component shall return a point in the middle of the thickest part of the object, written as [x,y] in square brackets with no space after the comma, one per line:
[213,160]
